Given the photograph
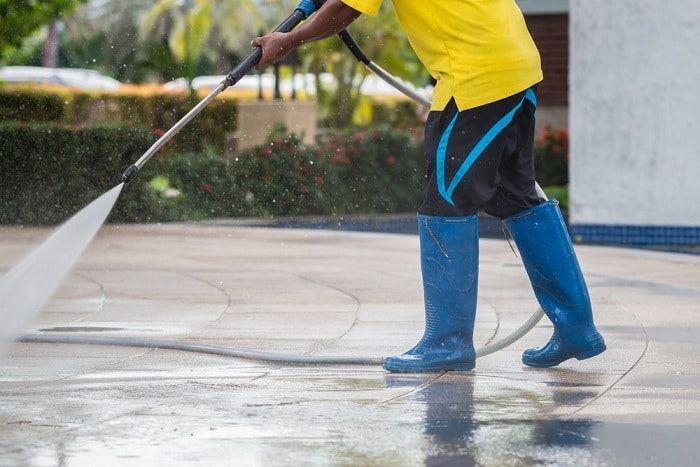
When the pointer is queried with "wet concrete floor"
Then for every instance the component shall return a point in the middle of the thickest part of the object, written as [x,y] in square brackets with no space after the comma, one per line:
[334,293]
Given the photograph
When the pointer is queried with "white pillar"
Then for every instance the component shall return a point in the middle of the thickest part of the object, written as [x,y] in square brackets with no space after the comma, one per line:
[635,118]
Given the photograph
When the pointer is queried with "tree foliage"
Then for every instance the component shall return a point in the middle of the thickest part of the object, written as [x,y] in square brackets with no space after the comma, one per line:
[202,27]
[20,18]
[104,35]
[383,40]
[143,40]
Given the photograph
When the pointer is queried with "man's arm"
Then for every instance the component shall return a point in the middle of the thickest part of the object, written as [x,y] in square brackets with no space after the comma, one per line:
[330,19]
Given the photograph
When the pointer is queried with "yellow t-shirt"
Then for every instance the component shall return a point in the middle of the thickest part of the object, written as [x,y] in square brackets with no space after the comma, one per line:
[479,51]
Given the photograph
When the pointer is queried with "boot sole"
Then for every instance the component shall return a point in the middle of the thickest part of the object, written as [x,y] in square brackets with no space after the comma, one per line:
[599,348]
[468,366]
[590,353]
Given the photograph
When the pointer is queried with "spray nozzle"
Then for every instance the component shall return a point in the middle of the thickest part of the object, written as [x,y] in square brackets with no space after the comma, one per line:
[130,173]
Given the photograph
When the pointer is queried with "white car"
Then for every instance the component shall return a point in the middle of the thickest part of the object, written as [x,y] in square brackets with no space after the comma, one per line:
[72,77]
[371,86]
[210,82]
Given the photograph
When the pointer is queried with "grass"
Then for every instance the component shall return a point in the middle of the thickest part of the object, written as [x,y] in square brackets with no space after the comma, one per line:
[561,193]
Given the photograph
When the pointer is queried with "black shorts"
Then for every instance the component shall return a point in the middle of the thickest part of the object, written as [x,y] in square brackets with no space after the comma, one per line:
[481,158]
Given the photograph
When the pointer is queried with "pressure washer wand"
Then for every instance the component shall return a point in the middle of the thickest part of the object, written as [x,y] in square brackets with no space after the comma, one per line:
[302,11]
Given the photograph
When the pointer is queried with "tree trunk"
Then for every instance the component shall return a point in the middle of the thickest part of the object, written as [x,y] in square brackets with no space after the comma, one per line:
[278,94]
[49,56]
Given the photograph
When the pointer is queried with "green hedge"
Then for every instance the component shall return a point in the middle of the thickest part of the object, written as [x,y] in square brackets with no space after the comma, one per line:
[378,171]
[282,177]
[155,111]
[50,172]
[552,157]
[30,106]
[561,193]
[397,114]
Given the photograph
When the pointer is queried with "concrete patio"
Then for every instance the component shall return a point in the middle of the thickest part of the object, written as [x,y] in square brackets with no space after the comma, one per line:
[339,293]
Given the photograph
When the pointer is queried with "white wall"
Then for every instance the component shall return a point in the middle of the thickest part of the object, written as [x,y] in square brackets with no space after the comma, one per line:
[635,112]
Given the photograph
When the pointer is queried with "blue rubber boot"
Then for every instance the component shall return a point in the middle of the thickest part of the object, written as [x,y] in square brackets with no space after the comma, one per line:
[449,249]
[551,264]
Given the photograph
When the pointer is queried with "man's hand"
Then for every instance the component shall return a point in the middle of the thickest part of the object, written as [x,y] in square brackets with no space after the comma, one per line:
[330,19]
[275,47]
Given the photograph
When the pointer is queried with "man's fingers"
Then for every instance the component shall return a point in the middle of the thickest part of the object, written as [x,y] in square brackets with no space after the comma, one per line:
[262,63]
[259,42]
[273,48]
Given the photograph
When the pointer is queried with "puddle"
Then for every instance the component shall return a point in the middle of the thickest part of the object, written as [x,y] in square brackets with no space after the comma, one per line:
[460,420]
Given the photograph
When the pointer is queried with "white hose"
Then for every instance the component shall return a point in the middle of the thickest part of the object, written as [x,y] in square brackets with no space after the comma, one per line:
[271,357]
[198,348]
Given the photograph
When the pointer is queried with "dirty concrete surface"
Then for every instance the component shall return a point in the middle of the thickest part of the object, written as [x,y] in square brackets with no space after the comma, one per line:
[339,293]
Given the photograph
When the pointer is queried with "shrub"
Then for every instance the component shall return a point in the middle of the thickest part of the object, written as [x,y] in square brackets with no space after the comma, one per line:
[397,114]
[377,171]
[285,177]
[552,157]
[147,108]
[561,193]
[280,177]
[380,170]
[50,172]
[205,186]
[31,106]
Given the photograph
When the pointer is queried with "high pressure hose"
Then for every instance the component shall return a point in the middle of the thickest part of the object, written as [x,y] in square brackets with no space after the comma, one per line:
[198,348]
[303,11]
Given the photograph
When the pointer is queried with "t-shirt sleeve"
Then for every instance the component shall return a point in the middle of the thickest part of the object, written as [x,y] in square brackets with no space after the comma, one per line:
[368,7]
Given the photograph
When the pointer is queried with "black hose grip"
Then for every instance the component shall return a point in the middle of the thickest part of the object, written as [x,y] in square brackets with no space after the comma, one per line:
[353,46]
[244,67]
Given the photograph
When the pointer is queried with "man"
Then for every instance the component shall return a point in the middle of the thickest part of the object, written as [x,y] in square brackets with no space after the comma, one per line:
[479,140]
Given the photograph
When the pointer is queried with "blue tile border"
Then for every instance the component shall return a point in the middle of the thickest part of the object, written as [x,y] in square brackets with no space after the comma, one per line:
[637,235]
